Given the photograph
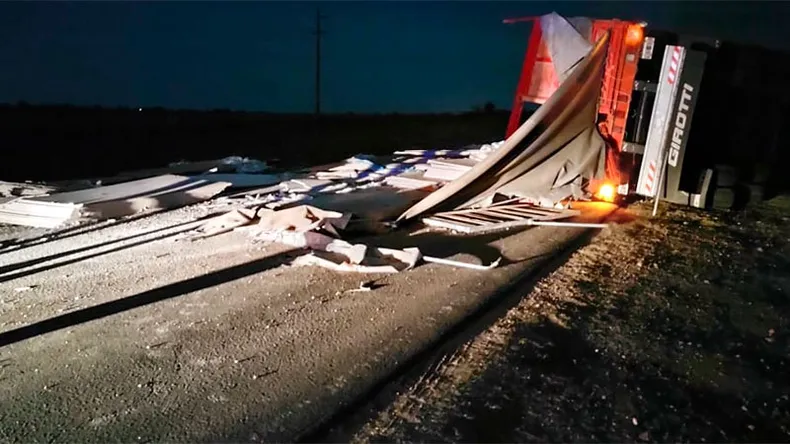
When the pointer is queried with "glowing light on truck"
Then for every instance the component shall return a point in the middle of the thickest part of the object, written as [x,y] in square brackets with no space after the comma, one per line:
[606,192]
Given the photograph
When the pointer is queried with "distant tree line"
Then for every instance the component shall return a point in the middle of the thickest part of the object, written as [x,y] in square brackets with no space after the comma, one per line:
[486,108]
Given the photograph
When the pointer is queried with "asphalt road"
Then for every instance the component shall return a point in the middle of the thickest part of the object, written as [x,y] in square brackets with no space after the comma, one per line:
[130,334]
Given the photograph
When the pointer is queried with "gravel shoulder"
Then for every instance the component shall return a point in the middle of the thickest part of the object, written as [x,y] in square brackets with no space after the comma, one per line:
[660,330]
[130,334]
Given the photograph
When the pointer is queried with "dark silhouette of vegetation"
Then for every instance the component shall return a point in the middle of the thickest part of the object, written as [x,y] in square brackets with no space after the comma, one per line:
[56,142]
[487,108]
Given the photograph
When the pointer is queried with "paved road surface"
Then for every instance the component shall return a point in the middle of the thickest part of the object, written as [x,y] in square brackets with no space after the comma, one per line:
[126,334]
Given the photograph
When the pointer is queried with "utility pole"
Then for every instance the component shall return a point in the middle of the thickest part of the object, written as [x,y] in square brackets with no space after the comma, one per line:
[318,33]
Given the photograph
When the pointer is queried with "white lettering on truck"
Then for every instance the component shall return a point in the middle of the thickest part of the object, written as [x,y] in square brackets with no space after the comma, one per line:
[680,125]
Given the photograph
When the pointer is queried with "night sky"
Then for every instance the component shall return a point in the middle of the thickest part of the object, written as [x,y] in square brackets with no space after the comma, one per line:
[401,56]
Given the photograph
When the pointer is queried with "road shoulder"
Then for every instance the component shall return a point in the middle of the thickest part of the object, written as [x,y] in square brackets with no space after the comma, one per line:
[672,329]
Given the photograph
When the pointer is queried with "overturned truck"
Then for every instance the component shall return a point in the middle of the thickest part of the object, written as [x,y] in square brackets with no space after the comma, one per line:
[685,119]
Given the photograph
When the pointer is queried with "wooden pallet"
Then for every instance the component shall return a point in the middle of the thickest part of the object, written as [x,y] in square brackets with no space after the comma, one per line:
[501,216]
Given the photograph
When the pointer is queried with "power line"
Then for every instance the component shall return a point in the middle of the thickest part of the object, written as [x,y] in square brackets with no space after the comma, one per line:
[318,33]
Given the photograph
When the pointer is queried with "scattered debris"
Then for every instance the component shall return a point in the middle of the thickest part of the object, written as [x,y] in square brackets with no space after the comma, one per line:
[368,193]
[411,181]
[363,259]
[232,164]
[350,169]
[111,201]
[447,169]
[496,217]
[239,180]
[460,264]
[304,185]
[25,288]
[366,286]
[37,213]
[307,208]
[225,223]
[301,219]
[245,165]
[373,260]
[14,189]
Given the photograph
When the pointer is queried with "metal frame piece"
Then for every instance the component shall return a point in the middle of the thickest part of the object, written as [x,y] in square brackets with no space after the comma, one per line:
[498,217]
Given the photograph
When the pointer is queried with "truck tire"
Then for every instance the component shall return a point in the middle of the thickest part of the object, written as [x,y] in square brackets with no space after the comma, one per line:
[756,193]
[723,198]
[726,176]
[762,173]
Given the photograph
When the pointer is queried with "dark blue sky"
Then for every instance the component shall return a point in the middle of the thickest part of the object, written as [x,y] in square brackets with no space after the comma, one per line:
[379,56]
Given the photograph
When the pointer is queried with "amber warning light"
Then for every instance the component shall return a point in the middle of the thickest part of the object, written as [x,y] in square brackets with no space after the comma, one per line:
[606,192]
[634,35]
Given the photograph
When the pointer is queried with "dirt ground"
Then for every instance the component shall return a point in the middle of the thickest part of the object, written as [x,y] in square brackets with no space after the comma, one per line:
[667,329]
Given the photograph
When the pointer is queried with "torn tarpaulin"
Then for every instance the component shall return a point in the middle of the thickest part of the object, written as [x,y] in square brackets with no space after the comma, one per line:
[553,148]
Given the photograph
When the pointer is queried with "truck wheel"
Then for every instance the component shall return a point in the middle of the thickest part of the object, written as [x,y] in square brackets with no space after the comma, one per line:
[726,175]
[723,199]
[756,194]
[761,173]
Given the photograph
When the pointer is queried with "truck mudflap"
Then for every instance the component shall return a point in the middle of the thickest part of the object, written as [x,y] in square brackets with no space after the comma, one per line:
[660,119]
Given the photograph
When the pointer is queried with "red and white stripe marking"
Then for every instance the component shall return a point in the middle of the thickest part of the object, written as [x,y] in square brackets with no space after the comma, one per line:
[651,175]
[673,65]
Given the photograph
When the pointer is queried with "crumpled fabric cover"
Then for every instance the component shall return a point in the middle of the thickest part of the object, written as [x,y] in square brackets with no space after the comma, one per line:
[554,148]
